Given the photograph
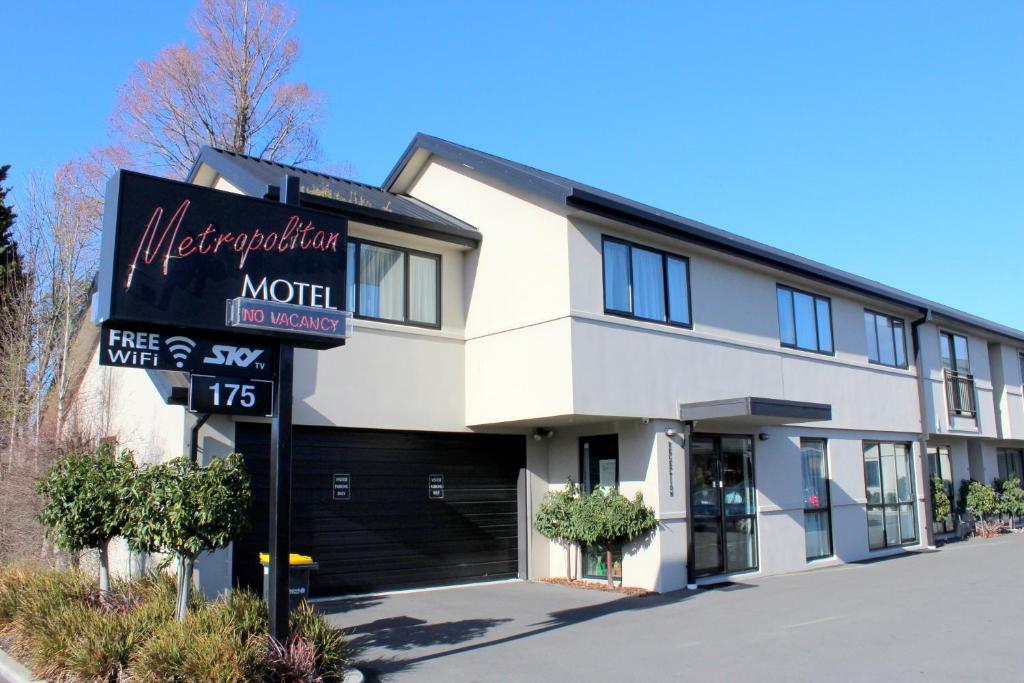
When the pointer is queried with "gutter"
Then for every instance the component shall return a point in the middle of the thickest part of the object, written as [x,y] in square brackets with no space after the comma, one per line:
[925,483]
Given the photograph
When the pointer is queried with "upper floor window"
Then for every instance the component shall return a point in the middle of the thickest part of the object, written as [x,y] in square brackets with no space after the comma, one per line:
[394,284]
[646,283]
[887,343]
[805,320]
[956,367]
[954,353]
[1020,359]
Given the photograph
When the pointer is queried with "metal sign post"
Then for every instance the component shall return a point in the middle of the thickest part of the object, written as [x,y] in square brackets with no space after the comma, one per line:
[281,470]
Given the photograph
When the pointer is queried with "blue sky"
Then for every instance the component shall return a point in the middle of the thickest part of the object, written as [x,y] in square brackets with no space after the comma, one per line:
[882,138]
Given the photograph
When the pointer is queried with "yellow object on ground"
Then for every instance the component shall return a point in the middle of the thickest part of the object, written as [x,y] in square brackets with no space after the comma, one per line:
[293,558]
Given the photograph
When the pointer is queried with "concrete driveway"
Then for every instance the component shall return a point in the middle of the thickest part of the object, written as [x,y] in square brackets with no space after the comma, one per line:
[951,615]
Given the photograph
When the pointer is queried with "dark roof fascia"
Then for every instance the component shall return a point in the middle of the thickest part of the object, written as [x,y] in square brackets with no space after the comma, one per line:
[495,167]
[466,237]
[236,174]
[254,186]
[693,232]
[591,200]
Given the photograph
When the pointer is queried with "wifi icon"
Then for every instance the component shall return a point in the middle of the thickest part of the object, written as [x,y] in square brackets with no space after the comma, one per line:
[180,348]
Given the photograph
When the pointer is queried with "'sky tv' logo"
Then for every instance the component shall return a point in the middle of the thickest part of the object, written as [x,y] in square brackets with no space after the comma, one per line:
[239,356]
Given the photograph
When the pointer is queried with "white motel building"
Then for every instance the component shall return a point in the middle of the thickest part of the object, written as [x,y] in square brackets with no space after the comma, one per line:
[514,329]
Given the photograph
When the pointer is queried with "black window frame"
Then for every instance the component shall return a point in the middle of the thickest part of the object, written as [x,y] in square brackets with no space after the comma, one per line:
[893,322]
[881,487]
[817,336]
[665,255]
[407,251]
[959,385]
[943,335]
[827,509]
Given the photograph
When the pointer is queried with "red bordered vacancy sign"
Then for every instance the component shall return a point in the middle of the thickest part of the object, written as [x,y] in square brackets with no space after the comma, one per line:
[257,314]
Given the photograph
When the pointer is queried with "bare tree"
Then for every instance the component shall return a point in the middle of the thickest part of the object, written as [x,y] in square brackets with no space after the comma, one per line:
[227,90]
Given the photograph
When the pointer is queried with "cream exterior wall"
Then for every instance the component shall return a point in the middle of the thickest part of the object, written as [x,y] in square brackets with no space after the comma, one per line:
[390,376]
[937,417]
[647,369]
[1006,384]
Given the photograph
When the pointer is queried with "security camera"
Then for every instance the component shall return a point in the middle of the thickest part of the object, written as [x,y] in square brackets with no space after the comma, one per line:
[670,433]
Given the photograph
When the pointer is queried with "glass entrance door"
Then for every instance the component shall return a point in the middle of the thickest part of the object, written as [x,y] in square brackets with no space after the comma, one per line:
[723,506]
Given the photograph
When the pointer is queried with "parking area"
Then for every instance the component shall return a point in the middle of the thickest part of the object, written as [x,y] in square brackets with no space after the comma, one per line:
[949,615]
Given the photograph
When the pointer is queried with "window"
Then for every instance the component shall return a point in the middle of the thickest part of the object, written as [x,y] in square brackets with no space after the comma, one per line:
[889,487]
[645,283]
[805,320]
[1020,359]
[817,504]
[940,465]
[956,367]
[954,352]
[1011,463]
[393,284]
[887,344]
[599,468]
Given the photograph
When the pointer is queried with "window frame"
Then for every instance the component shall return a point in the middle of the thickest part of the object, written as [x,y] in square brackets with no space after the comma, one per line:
[893,320]
[911,474]
[827,510]
[665,255]
[943,334]
[817,337]
[408,252]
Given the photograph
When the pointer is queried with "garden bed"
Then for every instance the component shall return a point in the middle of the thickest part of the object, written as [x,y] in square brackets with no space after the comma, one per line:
[631,591]
[63,628]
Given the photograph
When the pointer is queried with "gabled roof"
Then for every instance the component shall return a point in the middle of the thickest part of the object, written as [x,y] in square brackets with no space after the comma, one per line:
[592,200]
[359,201]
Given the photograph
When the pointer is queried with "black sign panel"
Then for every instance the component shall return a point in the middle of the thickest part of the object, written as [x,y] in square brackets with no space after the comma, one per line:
[167,349]
[342,487]
[231,395]
[435,486]
[173,254]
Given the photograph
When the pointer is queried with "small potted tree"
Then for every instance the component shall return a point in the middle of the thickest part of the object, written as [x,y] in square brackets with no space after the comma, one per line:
[84,498]
[1011,500]
[555,520]
[184,510]
[941,505]
[982,501]
[608,518]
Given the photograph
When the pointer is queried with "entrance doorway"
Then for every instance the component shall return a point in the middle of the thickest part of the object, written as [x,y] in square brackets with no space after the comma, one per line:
[723,506]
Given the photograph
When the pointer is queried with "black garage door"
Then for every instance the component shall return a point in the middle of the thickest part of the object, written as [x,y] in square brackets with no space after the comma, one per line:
[391,533]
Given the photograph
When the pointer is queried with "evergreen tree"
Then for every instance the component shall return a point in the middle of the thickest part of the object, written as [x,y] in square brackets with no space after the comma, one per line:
[10,260]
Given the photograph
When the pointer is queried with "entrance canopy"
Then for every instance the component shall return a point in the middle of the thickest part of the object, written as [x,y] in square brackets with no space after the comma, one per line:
[766,411]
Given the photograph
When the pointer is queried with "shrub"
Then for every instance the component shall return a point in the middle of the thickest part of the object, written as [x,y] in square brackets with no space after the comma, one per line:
[329,644]
[554,520]
[181,508]
[607,519]
[64,629]
[941,506]
[981,499]
[1011,498]
[84,502]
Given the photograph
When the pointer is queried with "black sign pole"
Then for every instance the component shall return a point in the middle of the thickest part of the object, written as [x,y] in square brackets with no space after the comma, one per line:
[281,469]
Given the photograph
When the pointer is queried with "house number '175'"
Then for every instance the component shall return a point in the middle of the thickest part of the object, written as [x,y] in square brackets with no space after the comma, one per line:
[213,394]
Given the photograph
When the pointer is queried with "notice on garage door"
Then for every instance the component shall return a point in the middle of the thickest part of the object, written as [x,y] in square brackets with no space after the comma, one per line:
[436,486]
[342,487]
